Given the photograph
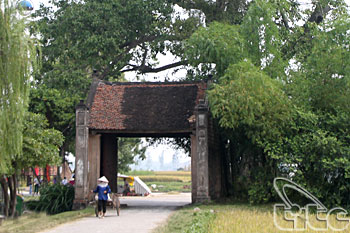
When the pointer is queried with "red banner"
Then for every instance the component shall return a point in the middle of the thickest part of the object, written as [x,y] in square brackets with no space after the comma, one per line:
[48,173]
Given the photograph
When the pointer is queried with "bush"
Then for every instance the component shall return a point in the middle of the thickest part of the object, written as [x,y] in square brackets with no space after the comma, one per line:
[54,199]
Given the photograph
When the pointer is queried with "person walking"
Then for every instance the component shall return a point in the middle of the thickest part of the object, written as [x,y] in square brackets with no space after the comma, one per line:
[64,181]
[36,186]
[102,189]
[30,184]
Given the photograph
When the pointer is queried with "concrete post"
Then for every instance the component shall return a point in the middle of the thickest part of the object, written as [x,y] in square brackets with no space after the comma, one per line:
[202,152]
[81,155]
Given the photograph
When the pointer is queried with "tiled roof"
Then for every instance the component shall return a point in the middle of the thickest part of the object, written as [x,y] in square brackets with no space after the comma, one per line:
[143,106]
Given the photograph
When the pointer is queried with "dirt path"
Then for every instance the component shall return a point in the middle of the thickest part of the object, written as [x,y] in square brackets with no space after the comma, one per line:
[141,215]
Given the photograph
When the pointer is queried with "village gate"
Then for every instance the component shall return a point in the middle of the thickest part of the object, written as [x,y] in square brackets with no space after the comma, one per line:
[170,109]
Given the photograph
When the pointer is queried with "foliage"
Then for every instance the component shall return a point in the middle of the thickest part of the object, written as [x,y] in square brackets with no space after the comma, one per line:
[178,143]
[54,199]
[229,11]
[214,48]
[247,97]
[100,39]
[57,103]
[40,145]
[108,36]
[128,150]
[282,102]
[17,61]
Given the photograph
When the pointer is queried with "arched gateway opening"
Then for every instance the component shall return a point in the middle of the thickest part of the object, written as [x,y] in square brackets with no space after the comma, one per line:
[173,109]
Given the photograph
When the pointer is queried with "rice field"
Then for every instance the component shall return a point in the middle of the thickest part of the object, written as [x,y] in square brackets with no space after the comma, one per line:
[165,181]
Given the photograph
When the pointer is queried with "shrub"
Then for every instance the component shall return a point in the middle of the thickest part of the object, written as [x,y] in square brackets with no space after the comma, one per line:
[54,199]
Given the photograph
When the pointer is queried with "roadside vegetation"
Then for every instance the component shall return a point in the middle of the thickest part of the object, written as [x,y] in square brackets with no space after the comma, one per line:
[165,181]
[36,222]
[228,218]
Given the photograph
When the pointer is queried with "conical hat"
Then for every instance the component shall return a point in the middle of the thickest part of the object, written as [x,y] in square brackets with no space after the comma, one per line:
[103,179]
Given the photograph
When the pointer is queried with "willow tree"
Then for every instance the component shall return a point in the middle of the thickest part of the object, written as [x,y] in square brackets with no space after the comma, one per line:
[17,59]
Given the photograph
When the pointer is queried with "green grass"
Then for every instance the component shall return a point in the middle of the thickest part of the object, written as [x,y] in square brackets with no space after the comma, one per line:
[35,222]
[159,173]
[170,186]
[232,218]
[160,178]
[140,173]
[186,220]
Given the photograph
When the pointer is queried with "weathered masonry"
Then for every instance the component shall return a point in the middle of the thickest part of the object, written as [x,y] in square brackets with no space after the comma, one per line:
[170,109]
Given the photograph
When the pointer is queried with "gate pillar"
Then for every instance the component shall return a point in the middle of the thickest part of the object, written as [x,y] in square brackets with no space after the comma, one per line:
[201,153]
[109,159]
[81,156]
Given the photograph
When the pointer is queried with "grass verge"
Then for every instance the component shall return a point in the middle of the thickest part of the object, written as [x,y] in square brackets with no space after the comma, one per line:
[35,222]
[236,218]
[186,220]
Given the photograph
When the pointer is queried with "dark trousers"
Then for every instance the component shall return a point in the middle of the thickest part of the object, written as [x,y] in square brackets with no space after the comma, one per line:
[36,188]
[102,205]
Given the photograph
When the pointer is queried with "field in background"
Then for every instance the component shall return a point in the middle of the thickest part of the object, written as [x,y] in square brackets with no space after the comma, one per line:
[165,181]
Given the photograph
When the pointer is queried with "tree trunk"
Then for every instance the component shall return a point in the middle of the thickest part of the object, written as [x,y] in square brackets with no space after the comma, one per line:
[231,154]
[13,195]
[15,184]
[4,187]
[62,153]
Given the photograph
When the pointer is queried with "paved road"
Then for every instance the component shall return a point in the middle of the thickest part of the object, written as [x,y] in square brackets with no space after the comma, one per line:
[141,215]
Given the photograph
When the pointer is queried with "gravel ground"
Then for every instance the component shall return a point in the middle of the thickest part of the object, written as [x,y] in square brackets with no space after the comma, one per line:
[141,215]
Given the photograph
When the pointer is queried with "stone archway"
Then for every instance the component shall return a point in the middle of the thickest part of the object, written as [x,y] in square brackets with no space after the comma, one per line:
[150,109]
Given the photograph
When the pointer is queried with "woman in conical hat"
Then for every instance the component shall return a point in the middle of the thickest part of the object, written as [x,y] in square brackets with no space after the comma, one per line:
[103,179]
[102,189]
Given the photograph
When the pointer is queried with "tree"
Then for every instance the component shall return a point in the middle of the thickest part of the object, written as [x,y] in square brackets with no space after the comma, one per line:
[40,148]
[229,11]
[40,143]
[129,149]
[111,36]
[280,93]
[18,57]
[98,38]
[17,61]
